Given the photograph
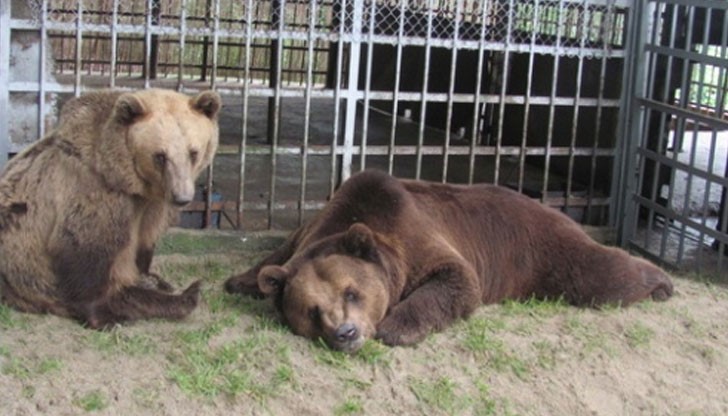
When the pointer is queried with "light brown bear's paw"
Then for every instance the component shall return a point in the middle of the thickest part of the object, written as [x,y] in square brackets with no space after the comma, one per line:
[155,281]
[191,296]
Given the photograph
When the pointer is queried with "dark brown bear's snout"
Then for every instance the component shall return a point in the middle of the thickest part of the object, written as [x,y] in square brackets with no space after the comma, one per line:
[347,332]
[347,337]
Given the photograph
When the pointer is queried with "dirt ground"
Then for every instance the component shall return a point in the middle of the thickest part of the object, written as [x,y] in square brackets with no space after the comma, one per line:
[231,356]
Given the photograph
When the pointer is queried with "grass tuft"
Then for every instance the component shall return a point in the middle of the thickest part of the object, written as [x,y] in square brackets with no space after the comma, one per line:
[92,401]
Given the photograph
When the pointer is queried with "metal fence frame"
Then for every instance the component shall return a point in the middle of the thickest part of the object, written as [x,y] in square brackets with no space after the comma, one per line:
[501,39]
[671,39]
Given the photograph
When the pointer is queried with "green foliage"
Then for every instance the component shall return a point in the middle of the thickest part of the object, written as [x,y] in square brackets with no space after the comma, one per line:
[118,341]
[92,401]
[638,335]
[351,406]
[439,394]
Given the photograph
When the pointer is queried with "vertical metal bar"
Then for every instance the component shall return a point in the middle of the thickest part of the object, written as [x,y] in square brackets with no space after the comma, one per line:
[478,86]
[114,41]
[425,79]
[215,42]
[397,80]
[663,119]
[275,134]
[605,31]
[337,96]
[451,89]
[307,107]
[42,69]
[624,214]
[4,81]
[353,81]
[244,128]
[213,79]
[182,34]
[147,42]
[502,105]
[552,106]
[79,48]
[685,103]
[527,99]
[367,86]
[577,100]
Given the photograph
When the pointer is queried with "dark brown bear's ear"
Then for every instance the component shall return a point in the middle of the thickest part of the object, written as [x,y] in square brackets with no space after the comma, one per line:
[271,279]
[208,103]
[359,241]
[128,108]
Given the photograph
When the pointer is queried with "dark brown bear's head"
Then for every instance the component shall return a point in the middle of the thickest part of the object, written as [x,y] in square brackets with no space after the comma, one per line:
[339,295]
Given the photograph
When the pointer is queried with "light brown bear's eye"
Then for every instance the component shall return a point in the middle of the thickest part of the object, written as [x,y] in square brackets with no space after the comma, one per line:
[350,295]
[314,314]
[160,159]
[193,156]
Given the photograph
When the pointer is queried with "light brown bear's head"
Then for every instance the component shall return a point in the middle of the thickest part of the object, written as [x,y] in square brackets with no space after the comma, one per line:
[337,291]
[167,140]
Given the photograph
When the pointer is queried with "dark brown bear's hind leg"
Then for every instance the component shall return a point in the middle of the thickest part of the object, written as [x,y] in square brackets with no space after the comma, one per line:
[135,302]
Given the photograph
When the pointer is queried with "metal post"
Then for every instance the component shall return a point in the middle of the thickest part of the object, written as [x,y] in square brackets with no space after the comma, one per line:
[4,81]
[352,80]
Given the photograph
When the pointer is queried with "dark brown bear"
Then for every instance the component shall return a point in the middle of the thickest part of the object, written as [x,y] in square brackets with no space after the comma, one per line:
[398,259]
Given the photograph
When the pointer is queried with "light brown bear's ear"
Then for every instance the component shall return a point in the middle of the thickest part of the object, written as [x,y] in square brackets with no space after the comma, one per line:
[359,241]
[272,278]
[208,103]
[128,108]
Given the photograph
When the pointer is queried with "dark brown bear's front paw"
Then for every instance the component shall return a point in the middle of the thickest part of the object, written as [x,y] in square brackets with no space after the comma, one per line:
[393,333]
[244,284]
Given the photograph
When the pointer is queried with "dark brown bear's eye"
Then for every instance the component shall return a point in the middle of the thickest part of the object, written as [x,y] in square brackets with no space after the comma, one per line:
[193,156]
[160,159]
[314,314]
[350,295]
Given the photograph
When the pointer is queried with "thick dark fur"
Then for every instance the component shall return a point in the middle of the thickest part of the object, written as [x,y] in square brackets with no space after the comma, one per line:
[432,253]
[81,209]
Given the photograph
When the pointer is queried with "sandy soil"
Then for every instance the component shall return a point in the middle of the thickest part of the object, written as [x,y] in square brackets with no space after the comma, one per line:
[232,357]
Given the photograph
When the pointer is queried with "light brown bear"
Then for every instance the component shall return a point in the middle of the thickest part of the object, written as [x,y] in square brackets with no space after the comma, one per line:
[81,209]
[398,259]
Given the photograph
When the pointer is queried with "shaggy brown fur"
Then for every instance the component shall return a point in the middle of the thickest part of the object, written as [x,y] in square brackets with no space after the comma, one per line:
[398,259]
[81,209]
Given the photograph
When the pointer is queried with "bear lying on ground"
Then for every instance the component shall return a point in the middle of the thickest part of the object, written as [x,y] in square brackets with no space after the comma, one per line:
[397,259]
[81,209]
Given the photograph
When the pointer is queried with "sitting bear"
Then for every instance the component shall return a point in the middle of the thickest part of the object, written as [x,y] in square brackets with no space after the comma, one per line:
[81,209]
[397,259]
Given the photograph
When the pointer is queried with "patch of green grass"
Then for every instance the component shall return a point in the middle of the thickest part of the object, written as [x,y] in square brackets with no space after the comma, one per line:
[439,394]
[591,338]
[10,318]
[49,365]
[323,354]
[197,243]
[25,368]
[638,335]
[545,354]
[146,396]
[233,368]
[92,401]
[117,341]
[185,272]
[374,353]
[351,406]
[534,307]
[4,351]
[480,337]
